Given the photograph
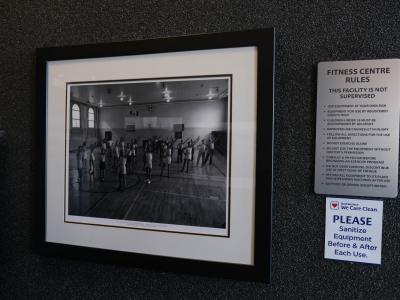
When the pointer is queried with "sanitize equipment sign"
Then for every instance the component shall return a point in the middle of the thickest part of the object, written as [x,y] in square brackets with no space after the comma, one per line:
[353,230]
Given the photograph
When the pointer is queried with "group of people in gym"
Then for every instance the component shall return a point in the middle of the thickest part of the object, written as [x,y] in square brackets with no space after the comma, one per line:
[121,157]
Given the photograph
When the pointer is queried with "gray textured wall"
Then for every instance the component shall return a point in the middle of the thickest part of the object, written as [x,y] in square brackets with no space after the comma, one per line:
[307,32]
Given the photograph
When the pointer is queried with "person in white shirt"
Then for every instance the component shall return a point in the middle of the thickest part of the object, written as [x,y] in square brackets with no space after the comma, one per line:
[116,154]
[110,148]
[163,157]
[212,147]
[122,170]
[79,162]
[187,156]
[84,155]
[129,157]
[166,158]
[180,152]
[192,145]
[169,157]
[201,153]
[134,151]
[102,164]
[148,164]
[210,151]
[92,159]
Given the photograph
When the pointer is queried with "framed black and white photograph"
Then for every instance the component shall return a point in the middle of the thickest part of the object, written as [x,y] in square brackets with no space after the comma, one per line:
[158,153]
[150,154]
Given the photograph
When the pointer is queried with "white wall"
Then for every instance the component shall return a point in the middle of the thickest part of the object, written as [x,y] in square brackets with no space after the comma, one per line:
[199,118]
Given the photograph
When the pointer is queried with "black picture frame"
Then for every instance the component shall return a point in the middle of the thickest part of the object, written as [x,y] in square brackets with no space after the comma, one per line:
[263,40]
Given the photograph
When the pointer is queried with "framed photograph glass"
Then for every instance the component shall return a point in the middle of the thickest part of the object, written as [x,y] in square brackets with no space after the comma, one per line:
[158,153]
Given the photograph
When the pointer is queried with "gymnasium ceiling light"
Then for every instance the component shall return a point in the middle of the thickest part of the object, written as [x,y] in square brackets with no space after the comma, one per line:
[166,93]
[121,96]
[210,95]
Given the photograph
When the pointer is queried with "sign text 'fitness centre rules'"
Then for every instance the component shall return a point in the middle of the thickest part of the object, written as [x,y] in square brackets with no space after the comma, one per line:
[357,137]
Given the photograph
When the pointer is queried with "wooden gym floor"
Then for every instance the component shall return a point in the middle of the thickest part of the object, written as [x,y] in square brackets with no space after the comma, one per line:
[197,198]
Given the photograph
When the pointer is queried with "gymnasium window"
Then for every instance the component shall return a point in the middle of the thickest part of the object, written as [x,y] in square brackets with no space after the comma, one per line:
[90,118]
[76,116]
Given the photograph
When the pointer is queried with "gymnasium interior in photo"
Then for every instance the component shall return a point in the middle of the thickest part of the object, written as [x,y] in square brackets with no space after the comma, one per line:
[112,127]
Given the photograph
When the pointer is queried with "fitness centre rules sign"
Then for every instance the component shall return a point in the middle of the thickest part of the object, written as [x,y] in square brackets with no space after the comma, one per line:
[357,135]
